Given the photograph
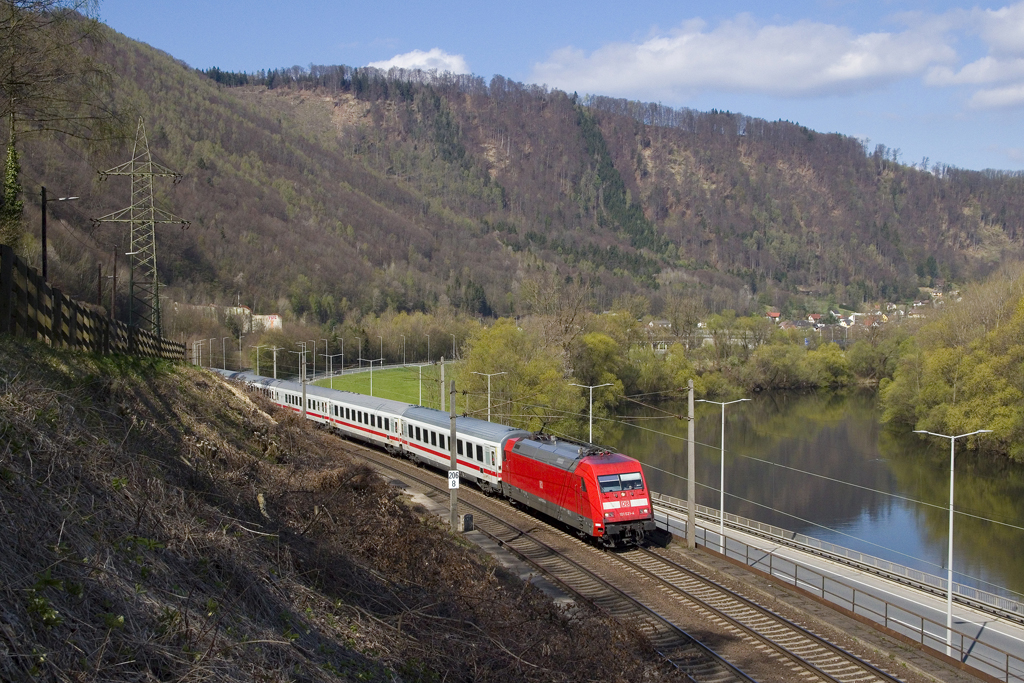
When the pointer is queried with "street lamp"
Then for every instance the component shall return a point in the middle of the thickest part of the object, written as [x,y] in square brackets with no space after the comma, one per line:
[371,361]
[489,376]
[223,354]
[949,561]
[261,346]
[721,493]
[42,232]
[314,360]
[381,350]
[587,386]
[211,352]
[330,359]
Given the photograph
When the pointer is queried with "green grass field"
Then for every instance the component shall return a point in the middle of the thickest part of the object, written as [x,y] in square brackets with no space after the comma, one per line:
[399,384]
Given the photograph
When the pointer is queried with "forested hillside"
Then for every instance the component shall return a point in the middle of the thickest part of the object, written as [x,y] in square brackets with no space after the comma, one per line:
[325,191]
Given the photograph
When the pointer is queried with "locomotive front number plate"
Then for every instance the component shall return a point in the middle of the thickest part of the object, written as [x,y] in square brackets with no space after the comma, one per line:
[453,479]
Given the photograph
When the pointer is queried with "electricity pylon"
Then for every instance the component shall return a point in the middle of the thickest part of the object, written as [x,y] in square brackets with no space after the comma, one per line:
[142,215]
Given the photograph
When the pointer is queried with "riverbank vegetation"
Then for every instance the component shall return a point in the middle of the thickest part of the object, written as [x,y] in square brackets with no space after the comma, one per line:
[965,370]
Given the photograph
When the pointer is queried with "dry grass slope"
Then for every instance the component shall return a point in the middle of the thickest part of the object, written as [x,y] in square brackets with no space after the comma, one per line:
[158,525]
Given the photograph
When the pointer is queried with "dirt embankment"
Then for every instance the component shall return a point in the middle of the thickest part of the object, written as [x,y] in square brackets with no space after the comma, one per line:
[156,524]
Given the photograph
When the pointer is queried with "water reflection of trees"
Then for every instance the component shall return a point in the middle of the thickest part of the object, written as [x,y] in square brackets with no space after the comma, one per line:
[821,433]
[836,436]
[986,486]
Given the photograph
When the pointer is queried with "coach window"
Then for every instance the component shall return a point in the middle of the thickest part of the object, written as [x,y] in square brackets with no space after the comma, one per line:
[433,438]
[479,453]
[418,434]
[458,444]
[387,424]
[440,442]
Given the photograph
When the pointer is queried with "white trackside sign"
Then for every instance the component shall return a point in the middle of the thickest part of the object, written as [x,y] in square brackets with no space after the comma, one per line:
[453,479]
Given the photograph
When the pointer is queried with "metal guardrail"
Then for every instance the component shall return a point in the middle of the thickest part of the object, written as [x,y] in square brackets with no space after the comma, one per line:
[1001,604]
[971,652]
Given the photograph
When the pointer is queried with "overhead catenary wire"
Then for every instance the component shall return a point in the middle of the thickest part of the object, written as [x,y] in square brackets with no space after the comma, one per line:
[555,413]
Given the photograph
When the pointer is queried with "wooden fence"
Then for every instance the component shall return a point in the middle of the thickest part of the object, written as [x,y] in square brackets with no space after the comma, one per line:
[31,309]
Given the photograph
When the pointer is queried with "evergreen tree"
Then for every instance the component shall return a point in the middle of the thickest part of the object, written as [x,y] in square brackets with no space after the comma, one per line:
[11,205]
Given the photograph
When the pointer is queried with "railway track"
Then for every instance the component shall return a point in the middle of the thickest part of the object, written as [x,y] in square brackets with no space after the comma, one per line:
[805,655]
[804,650]
[678,648]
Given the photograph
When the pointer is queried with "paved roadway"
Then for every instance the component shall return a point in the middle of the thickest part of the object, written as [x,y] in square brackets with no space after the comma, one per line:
[987,640]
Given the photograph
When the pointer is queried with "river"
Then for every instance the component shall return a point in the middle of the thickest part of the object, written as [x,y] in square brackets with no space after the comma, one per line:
[822,464]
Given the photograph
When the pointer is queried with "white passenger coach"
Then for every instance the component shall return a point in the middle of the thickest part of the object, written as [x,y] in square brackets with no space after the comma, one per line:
[418,433]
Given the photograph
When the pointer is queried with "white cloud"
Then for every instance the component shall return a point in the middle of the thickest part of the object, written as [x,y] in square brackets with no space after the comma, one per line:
[435,59]
[803,58]
[984,70]
[1010,96]
[1002,30]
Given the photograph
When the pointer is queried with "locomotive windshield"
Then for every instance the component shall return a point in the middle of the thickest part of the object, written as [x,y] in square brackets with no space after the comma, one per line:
[620,482]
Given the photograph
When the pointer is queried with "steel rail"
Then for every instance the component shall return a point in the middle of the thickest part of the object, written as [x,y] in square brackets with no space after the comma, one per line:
[711,657]
[830,649]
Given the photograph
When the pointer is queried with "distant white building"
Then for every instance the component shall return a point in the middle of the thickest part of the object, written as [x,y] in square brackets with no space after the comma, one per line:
[261,323]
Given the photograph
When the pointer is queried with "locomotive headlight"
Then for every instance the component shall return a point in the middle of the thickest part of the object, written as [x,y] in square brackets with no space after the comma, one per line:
[608,515]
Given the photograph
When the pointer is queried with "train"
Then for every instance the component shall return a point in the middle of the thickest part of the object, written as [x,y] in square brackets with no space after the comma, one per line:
[597,493]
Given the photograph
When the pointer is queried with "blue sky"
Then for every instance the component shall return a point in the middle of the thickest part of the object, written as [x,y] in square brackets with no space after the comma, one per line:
[932,78]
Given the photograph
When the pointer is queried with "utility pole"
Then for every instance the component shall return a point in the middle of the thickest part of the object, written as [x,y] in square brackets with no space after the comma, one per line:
[587,386]
[42,232]
[495,374]
[113,288]
[691,474]
[142,216]
[453,470]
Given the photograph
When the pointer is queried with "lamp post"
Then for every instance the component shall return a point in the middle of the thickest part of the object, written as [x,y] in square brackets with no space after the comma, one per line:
[313,341]
[381,350]
[330,359]
[223,353]
[211,351]
[587,386]
[488,376]
[721,492]
[42,232]
[949,560]
[326,351]
[371,362]
[403,350]
[261,346]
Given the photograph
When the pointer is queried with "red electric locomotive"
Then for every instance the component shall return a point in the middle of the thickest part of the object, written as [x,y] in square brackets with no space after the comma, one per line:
[596,492]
